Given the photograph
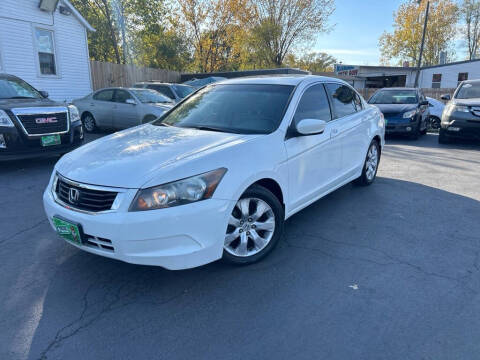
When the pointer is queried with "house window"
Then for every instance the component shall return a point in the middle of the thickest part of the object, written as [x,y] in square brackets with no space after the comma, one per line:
[462,77]
[46,51]
[436,81]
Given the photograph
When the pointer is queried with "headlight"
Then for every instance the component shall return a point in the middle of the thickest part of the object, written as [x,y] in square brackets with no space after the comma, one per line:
[5,119]
[410,114]
[179,192]
[74,114]
[451,108]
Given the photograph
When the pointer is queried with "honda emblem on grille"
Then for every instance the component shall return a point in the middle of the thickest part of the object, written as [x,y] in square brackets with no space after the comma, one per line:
[73,195]
[46,120]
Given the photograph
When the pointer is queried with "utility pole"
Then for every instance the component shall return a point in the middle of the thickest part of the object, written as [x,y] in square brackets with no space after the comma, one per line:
[419,63]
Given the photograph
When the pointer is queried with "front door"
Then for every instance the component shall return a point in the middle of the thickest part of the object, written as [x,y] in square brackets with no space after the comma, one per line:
[101,106]
[314,161]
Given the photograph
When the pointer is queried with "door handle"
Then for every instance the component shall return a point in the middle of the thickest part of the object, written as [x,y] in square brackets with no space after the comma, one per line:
[334,131]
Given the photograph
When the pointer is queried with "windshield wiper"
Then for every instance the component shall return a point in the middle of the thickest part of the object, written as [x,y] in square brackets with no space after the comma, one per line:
[209,128]
[20,97]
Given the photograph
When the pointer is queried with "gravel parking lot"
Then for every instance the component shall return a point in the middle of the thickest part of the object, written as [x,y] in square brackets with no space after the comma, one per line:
[390,271]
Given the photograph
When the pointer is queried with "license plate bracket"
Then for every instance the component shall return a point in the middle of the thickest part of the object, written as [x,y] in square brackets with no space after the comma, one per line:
[50,140]
[68,230]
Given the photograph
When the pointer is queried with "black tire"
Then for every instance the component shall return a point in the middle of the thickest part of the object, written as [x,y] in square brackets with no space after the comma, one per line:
[364,180]
[434,123]
[259,192]
[89,123]
[415,135]
[442,137]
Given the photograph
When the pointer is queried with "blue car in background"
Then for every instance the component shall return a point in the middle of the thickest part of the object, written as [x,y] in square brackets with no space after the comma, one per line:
[406,110]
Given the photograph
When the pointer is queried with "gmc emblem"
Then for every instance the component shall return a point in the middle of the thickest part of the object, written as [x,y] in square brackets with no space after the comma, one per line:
[46,120]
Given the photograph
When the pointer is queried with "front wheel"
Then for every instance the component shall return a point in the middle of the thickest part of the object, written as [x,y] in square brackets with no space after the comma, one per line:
[89,123]
[370,166]
[254,227]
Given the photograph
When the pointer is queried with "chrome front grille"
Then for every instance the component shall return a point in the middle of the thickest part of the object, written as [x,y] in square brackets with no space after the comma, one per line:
[43,121]
[82,197]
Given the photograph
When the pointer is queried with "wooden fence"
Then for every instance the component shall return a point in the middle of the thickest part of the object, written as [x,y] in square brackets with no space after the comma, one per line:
[433,93]
[106,74]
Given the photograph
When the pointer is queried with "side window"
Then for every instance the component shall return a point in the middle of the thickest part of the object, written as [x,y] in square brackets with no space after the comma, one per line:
[164,90]
[105,95]
[122,96]
[343,100]
[313,105]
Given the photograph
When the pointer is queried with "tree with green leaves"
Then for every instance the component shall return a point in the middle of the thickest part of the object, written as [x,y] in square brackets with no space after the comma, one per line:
[403,44]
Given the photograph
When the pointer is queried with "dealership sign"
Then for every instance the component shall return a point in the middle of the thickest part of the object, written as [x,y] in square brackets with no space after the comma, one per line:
[346,70]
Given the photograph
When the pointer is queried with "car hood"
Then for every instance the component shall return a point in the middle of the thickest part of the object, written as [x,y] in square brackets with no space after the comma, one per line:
[395,108]
[7,104]
[467,102]
[130,158]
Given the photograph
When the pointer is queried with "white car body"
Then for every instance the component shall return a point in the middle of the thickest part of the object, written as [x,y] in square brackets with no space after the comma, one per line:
[436,107]
[304,168]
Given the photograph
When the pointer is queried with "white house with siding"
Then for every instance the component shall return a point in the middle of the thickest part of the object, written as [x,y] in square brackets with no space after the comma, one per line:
[449,75]
[49,50]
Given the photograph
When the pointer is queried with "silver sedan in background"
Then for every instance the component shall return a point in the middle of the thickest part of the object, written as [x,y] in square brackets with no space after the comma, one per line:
[121,108]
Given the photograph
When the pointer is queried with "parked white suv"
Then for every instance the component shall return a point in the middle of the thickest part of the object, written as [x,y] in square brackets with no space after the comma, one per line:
[218,174]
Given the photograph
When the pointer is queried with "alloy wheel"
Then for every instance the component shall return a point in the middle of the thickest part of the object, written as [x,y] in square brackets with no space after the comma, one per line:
[250,227]
[372,162]
[89,123]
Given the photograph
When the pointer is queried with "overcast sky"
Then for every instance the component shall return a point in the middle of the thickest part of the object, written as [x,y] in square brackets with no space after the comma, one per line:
[358,26]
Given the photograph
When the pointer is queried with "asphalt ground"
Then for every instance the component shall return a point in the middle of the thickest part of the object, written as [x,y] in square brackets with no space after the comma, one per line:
[390,271]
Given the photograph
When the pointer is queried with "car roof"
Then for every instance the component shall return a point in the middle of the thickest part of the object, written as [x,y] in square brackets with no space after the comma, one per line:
[398,88]
[280,80]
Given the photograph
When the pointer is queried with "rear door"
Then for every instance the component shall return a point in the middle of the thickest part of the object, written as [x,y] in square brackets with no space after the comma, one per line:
[314,161]
[125,114]
[351,130]
[101,106]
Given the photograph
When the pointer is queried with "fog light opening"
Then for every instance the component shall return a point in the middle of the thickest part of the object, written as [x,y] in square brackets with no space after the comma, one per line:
[3,143]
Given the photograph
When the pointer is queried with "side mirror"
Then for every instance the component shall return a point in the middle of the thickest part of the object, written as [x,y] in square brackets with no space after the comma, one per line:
[424,103]
[130,101]
[311,126]
[446,97]
[44,93]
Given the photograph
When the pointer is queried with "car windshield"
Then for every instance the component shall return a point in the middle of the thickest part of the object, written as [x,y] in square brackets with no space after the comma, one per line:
[183,90]
[394,97]
[12,88]
[150,96]
[469,91]
[235,108]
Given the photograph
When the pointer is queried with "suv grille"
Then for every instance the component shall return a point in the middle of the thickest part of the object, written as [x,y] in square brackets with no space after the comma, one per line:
[39,124]
[84,199]
[476,110]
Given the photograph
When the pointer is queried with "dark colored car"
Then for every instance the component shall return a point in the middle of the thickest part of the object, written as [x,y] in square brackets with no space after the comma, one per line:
[461,116]
[31,125]
[175,92]
[405,110]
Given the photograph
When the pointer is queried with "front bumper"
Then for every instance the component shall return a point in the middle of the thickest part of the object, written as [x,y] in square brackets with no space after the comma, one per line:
[175,238]
[400,128]
[462,129]
[21,147]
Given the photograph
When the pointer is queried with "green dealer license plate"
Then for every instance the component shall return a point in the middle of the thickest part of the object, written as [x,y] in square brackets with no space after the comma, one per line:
[50,140]
[67,230]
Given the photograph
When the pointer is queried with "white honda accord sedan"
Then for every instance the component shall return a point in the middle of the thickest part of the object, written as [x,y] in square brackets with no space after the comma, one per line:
[218,174]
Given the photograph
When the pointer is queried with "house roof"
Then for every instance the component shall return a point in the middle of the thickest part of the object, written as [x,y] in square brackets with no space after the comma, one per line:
[452,63]
[79,16]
